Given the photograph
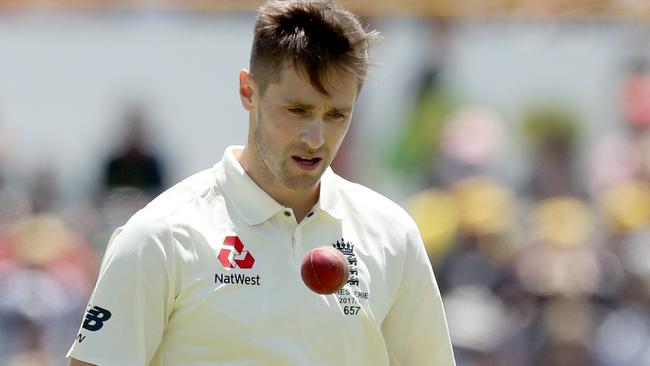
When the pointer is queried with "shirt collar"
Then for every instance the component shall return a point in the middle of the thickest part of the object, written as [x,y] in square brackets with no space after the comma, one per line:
[329,199]
[253,203]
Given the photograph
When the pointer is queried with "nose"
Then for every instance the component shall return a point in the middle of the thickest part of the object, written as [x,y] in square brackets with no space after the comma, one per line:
[313,134]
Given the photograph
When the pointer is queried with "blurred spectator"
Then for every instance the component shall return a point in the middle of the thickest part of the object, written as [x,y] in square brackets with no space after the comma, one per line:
[466,201]
[471,141]
[622,158]
[133,165]
[478,324]
[436,213]
[468,221]
[44,192]
[416,150]
[552,135]
[132,176]
[626,206]
[4,147]
[614,160]
[46,274]
[418,147]
[14,201]
[623,338]
[635,94]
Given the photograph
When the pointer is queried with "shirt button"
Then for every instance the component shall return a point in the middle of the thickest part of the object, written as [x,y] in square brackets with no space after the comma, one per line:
[287,213]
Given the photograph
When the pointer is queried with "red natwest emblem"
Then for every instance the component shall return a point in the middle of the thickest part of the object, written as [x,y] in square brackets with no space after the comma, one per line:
[233,255]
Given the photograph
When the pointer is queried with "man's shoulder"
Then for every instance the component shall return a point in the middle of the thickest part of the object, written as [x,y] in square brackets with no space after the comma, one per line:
[197,188]
[173,211]
[181,202]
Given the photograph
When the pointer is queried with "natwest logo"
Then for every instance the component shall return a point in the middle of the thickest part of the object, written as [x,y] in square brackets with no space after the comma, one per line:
[233,255]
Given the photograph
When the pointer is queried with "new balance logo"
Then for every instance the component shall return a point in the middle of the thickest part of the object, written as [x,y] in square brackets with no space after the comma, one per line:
[233,255]
[95,319]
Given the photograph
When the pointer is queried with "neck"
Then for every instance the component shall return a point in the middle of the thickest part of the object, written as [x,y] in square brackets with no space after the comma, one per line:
[300,205]
[300,201]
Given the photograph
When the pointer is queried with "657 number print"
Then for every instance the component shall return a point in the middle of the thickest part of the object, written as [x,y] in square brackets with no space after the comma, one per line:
[351,310]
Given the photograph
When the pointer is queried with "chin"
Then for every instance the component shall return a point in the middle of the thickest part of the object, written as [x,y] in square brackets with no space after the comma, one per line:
[302,183]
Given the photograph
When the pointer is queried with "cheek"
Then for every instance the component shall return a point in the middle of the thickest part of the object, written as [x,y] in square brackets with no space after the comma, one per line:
[336,132]
[274,127]
[277,121]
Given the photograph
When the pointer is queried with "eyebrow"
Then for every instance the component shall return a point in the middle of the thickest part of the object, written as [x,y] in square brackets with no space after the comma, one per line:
[310,107]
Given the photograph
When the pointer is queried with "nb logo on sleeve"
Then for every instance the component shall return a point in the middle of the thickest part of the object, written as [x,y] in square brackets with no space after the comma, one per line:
[95,318]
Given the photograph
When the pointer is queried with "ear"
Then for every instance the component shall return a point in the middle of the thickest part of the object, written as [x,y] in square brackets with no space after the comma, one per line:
[246,89]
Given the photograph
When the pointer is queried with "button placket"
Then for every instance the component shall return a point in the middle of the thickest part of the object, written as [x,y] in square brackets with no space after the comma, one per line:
[296,242]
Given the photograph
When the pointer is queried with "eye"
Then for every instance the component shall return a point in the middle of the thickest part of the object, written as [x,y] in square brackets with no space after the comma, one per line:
[336,116]
[296,110]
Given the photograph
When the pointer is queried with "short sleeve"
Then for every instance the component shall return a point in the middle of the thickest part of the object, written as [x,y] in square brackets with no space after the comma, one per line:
[128,310]
[415,328]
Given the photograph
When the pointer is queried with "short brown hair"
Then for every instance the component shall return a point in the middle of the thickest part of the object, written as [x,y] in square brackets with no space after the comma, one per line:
[316,37]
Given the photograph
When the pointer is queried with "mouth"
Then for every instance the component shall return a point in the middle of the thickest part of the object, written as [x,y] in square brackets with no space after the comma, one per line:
[306,163]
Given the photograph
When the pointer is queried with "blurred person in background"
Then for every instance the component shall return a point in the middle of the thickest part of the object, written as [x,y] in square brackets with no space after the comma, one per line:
[46,269]
[621,166]
[417,147]
[4,147]
[161,297]
[44,282]
[133,165]
[44,192]
[15,201]
[552,134]
[130,178]
[561,264]
[468,225]
[416,150]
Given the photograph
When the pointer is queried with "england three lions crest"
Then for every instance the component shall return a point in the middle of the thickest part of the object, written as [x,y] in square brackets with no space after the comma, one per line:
[347,249]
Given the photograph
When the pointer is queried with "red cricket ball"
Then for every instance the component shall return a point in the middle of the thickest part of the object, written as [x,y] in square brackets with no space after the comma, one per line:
[324,270]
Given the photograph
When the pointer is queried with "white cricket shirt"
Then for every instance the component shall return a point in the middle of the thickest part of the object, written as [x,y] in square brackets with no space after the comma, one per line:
[209,274]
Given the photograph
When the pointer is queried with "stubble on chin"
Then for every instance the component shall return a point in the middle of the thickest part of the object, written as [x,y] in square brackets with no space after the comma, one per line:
[299,181]
[275,165]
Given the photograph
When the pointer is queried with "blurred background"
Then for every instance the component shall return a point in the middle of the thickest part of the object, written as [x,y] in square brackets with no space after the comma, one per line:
[516,132]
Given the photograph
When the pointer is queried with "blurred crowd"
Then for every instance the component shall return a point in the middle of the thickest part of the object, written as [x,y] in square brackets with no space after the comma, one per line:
[50,250]
[553,270]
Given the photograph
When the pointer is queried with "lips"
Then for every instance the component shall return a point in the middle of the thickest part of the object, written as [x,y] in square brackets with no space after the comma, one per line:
[307,163]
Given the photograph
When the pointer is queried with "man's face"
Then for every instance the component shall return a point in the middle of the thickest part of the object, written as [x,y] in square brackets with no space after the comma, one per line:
[297,130]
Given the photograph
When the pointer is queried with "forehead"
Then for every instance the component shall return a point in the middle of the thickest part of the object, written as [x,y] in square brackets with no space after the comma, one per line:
[295,86]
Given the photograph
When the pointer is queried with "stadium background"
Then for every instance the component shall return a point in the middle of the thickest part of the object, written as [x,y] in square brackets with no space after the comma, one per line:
[516,132]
